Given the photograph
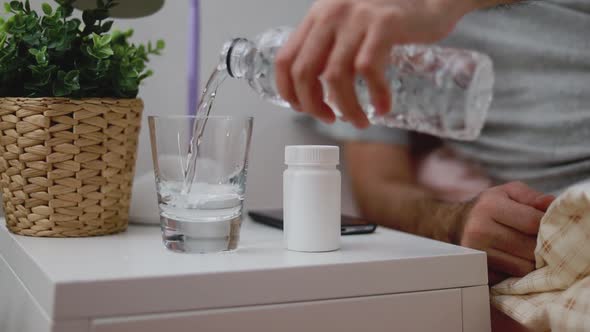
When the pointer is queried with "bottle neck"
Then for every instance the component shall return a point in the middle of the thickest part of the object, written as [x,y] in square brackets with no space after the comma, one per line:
[238,57]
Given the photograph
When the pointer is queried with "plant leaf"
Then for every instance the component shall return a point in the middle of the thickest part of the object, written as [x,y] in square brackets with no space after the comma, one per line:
[54,54]
[106,26]
[41,58]
[88,18]
[95,39]
[105,52]
[99,53]
[16,6]
[71,76]
[59,88]
[71,80]
[67,9]
[145,75]
[104,40]
[46,9]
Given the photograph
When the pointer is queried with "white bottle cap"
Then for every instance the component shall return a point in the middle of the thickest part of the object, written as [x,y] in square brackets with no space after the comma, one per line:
[312,155]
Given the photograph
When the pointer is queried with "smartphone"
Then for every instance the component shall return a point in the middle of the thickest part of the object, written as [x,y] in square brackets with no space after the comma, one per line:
[349,225]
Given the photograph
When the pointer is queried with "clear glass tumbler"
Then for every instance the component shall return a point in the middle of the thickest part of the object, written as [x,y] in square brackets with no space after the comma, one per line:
[200,189]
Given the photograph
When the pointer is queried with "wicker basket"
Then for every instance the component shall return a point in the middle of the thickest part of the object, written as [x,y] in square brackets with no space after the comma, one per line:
[66,165]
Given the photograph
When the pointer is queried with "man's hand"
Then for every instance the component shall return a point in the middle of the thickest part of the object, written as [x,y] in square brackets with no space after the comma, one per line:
[340,39]
[504,221]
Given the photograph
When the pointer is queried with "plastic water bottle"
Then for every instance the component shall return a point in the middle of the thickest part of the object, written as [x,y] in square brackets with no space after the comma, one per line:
[444,92]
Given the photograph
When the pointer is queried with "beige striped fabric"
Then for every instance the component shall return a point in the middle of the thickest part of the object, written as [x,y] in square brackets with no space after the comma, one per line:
[66,166]
[556,296]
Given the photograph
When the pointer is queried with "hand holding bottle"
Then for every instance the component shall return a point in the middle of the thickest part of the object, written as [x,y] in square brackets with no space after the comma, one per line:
[341,39]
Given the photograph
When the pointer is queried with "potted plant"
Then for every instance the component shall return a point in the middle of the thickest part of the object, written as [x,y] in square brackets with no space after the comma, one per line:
[69,119]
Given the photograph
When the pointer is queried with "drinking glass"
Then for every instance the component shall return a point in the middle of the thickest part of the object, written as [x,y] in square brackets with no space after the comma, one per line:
[200,166]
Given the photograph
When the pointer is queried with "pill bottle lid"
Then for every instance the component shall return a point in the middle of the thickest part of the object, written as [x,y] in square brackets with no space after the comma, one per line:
[312,155]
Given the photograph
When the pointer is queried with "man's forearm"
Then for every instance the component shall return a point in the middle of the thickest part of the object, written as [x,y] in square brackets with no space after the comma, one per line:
[412,209]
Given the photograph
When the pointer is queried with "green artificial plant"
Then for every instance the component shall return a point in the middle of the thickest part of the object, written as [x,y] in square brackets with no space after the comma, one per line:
[57,55]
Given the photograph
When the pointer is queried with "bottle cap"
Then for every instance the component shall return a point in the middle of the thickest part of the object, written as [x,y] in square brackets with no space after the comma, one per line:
[312,155]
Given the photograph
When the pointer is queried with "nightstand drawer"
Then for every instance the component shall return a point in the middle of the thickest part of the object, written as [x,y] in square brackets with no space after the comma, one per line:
[419,311]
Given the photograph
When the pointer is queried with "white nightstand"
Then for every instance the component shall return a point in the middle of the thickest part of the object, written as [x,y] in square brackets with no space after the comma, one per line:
[387,281]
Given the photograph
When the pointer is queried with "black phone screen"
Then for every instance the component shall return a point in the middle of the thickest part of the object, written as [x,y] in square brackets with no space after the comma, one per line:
[349,225]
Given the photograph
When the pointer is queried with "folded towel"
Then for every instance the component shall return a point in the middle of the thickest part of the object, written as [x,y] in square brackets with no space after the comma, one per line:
[556,296]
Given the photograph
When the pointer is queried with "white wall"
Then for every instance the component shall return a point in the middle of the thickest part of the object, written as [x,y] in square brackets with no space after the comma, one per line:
[165,92]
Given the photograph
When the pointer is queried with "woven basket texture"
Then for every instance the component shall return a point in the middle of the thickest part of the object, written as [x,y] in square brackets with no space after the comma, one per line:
[67,166]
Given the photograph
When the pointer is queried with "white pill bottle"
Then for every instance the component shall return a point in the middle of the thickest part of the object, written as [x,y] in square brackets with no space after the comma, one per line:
[311,198]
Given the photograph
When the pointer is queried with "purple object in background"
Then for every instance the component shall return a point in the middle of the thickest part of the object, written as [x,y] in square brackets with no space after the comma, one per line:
[193,58]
